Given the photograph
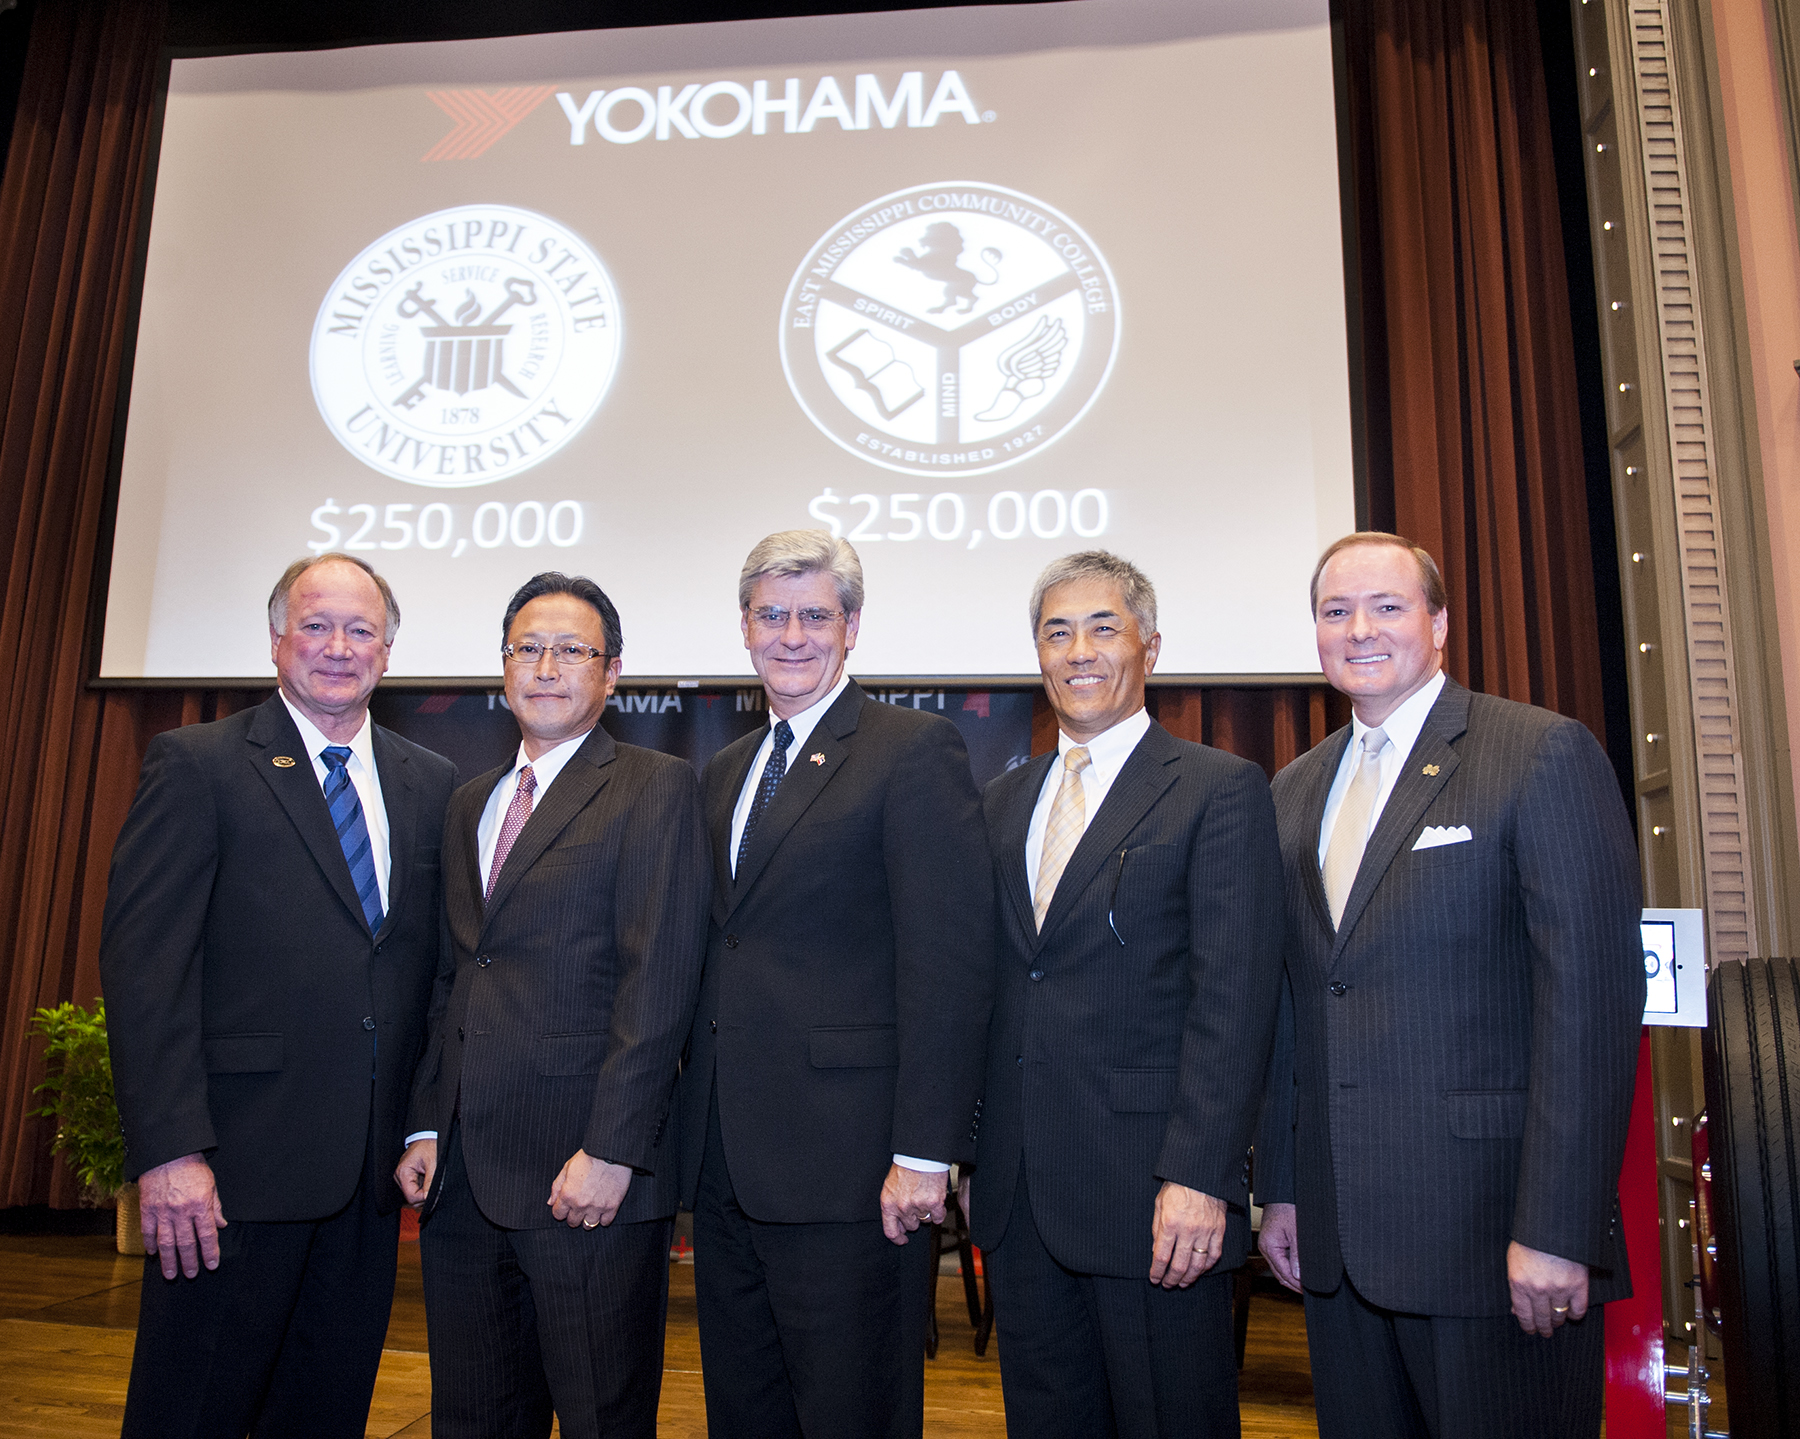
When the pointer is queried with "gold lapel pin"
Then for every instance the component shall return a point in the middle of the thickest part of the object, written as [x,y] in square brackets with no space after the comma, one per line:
[282,761]
[1431,769]
[816,758]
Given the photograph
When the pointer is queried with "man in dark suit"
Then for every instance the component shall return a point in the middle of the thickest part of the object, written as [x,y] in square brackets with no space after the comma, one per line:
[576,886]
[270,936]
[1454,1072]
[1140,965]
[836,1053]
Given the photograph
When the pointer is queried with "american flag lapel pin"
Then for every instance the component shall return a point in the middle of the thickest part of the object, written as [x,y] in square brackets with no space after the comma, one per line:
[817,758]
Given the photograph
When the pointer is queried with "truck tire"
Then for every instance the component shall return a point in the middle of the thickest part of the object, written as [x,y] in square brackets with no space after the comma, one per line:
[1752,1061]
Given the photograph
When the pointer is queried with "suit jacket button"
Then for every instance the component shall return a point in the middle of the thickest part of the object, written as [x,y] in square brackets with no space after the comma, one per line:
[731,941]
[715,1026]
[369,1022]
[482,961]
[1021,1059]
[1338,987]
[459,1033]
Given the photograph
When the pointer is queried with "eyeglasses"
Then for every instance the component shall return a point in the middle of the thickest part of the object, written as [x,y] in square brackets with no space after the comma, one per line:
[773,617]
[528,652]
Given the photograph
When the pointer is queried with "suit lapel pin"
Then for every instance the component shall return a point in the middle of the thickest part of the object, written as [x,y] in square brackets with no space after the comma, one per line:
[282,761]
[1431,769]
[816,758]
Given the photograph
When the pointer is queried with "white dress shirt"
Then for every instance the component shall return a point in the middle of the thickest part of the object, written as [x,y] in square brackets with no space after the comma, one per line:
[363,775]
[1402,728]
[802,725]
[1107,753]
[544,769]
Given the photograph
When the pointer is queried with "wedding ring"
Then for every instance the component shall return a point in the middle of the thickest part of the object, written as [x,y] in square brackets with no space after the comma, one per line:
[589,1223]
[1559,1309]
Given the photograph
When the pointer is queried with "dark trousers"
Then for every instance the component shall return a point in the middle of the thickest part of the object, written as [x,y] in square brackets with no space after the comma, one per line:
[814,1330]
[1380,1374]
[283,1338]
[1089,1355]
[524,1324]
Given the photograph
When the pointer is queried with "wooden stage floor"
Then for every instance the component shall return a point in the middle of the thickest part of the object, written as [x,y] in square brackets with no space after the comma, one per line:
[68,1311]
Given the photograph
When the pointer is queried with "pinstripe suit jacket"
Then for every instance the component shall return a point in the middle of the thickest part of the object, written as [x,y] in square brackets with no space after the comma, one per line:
[1455,1064]
[1130,1036]
[561,1004]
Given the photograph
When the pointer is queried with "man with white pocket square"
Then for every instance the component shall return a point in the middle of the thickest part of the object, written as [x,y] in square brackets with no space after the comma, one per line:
[1454,1069]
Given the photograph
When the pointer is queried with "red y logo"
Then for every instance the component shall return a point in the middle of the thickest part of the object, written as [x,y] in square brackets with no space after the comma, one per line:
[482,117]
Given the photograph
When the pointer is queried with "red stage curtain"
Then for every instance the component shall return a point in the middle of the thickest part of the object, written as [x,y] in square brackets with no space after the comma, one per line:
[1471,428]
[1268,724]
[69,226]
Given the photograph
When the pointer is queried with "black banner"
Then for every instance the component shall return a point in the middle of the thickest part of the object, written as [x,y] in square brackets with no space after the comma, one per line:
[477,731]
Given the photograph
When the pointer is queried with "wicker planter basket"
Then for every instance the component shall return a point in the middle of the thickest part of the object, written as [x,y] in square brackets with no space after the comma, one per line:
[130,1237]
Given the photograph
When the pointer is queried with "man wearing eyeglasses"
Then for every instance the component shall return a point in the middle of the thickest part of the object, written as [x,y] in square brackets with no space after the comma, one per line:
[575,897]
[836,1053]
[270,938]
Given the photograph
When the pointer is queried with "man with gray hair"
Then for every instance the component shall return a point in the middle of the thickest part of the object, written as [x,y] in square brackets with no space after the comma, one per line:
[268,948]
[837,1050]
[1139,898]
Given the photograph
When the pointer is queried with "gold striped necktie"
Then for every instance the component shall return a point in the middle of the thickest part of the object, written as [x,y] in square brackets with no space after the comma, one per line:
[1343,856]
[1068,821]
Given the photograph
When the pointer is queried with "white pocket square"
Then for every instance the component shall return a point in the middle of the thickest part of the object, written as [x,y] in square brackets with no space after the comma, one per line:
[1436,834]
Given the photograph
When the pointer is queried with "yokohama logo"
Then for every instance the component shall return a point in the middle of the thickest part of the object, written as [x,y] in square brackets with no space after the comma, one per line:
[482,117]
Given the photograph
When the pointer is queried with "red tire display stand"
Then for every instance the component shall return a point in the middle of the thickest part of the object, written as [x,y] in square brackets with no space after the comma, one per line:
[1634,1327]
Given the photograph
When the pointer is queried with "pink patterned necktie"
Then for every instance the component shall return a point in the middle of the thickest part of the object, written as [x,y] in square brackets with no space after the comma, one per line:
[516,814]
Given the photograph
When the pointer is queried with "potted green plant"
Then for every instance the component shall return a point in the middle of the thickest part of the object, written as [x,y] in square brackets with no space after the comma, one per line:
[78,1093]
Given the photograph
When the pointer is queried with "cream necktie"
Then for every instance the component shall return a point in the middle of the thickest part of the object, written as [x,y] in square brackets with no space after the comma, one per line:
[1068,821]
[1343,856]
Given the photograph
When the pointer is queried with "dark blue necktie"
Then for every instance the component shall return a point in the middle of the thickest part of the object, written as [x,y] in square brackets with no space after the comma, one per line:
[352,831]
[771,778]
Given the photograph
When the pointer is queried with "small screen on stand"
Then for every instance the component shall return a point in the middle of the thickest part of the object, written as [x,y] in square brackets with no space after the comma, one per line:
[1659,966]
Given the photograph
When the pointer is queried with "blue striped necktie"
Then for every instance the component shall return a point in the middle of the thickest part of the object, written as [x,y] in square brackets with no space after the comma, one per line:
[352,831]
[772,775]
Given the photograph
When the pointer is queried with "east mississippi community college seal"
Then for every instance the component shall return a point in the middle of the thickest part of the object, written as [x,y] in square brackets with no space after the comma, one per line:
[466,346]
[950,329]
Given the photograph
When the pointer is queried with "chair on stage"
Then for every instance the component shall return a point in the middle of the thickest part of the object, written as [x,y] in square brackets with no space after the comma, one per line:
[953,1233]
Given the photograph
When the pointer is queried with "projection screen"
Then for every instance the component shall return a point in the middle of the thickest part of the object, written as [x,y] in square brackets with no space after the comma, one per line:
[973,287]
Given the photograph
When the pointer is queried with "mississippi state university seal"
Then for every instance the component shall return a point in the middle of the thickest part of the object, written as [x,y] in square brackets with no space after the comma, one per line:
[465,346]
[950,329]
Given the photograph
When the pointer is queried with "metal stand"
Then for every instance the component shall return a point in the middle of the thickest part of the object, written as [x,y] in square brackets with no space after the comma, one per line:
[1705,1249]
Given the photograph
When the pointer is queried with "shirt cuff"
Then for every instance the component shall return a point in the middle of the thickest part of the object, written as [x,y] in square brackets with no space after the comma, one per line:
[422,1134]
[923,1166]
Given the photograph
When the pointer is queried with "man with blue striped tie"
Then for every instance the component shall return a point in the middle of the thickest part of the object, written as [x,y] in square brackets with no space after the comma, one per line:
[270,938]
